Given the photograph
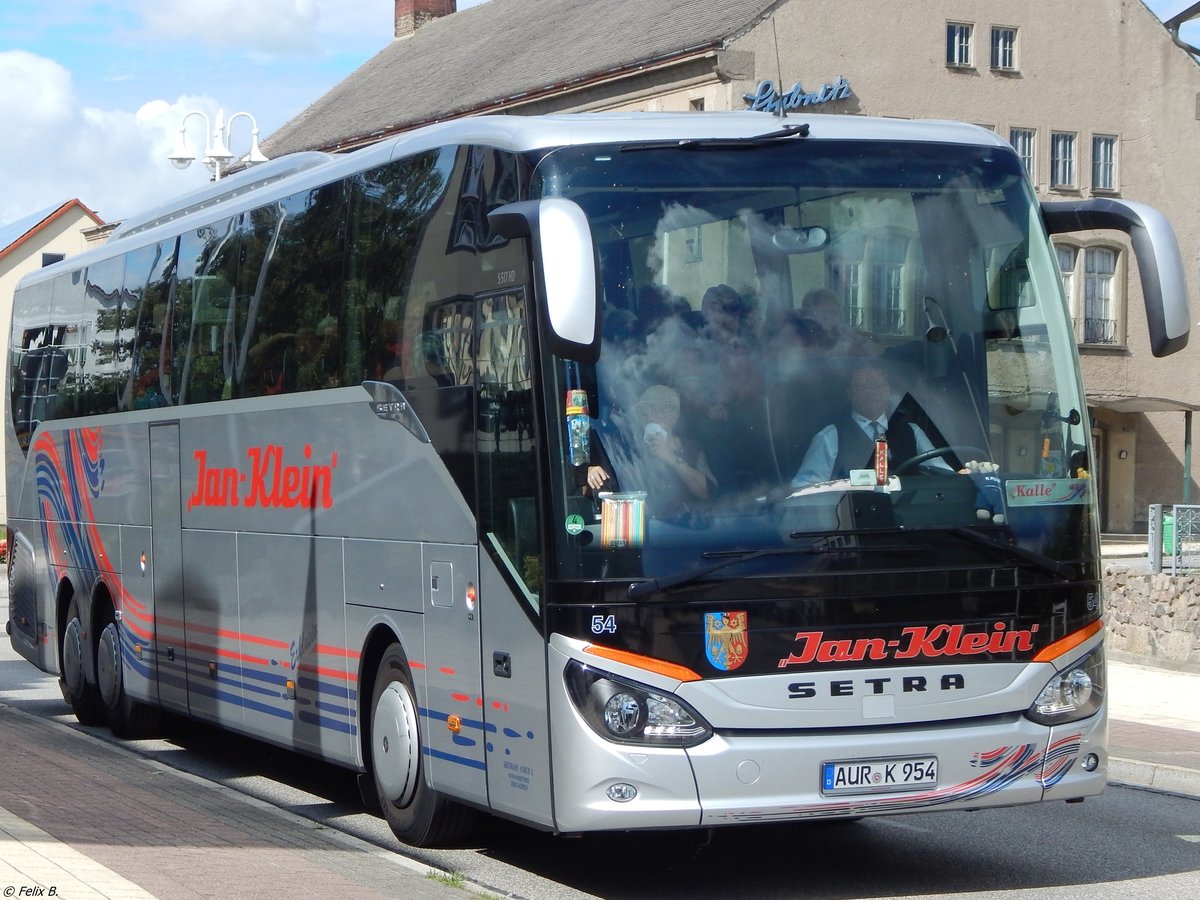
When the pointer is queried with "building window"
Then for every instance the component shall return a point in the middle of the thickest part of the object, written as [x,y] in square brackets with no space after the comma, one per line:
[1066,265]
[958,45]
[1104,162]
[1062,159]
[1004,49]
[1022,141]
[1093,288]
[1099,315]
[49,259]
[696,104]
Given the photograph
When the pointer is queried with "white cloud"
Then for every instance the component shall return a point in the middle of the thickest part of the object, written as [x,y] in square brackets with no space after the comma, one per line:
[37,91]
[56,149]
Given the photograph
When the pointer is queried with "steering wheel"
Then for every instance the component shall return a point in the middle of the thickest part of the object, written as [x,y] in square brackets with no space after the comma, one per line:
[913,461]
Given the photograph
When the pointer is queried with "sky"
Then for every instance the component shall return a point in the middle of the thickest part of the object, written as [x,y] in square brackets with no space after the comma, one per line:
[95,91]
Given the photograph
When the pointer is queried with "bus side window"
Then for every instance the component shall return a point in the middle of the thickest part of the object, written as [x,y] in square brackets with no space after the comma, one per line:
[207,264]
[148,276]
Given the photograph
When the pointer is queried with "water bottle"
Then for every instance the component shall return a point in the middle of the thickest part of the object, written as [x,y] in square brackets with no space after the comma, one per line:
[579,427]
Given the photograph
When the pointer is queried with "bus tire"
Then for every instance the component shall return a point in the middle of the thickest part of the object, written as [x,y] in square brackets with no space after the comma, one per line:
[81,694]
[127,717]
[417,814]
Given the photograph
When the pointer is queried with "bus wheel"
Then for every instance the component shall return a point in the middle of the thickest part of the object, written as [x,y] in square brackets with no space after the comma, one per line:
[128,718]
[83,696]
[416,813]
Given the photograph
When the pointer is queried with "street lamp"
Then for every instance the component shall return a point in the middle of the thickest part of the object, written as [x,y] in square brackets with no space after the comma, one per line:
[216,151]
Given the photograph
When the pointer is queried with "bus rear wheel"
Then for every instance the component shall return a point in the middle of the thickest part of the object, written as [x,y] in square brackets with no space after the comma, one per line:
[416,813]
[83,696]
[127,717]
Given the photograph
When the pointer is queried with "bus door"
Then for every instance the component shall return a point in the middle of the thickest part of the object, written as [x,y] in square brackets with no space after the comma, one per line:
[457,743]
[448,664]
[167,562]
[511,553]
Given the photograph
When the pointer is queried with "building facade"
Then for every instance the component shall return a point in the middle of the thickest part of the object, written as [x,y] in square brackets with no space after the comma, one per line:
[1108,106]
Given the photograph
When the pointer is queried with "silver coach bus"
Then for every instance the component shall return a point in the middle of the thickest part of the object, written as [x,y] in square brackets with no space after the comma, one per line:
[519,465]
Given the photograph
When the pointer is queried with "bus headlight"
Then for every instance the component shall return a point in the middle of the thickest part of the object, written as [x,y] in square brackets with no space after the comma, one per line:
[632,713]
[1072,694]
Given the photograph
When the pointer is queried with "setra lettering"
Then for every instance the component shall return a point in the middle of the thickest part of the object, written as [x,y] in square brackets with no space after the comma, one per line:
[269,482]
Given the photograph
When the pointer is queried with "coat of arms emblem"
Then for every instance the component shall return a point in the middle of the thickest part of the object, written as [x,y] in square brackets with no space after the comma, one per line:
[726,640]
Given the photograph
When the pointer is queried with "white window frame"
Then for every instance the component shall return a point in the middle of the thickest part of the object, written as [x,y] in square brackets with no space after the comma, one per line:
[1099,312]
[1094,278]
[1004,55]
[960,39]
[1028,152]
[1063,164]
[1104,162]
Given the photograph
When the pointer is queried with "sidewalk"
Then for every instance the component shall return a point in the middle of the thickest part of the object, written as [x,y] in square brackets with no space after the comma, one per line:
[80,818]
[1154,728]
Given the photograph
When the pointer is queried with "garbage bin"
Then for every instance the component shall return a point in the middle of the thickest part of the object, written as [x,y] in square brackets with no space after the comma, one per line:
[1168,534]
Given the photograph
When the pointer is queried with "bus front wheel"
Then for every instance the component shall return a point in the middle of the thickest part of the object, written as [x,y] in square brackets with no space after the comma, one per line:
[416,813]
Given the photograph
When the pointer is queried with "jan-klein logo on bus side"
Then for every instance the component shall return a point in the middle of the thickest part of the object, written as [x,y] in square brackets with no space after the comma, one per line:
[267,481]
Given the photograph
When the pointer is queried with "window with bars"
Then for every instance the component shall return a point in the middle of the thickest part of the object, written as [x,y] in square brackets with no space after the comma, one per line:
[1099,318]
[1104,162]
[958,44]
[1004,49]
[1062,159]
[1022,140]
[1094,293]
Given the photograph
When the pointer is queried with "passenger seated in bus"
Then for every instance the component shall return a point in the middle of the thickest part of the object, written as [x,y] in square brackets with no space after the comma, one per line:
[803,391]
[825,307]
[677,474]
[723,394]
[849,442]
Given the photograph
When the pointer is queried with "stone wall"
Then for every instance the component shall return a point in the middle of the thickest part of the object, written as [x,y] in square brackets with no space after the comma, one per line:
[1153,619]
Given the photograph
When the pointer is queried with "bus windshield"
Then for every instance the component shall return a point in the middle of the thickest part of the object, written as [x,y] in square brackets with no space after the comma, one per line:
[824,346]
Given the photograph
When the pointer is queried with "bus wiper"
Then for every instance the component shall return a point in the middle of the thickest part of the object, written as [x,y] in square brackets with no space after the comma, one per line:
[729,557]
[787,131]
[1009,548]
[1038,560]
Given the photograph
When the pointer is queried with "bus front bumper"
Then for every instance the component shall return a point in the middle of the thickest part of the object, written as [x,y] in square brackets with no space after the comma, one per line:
[743,777]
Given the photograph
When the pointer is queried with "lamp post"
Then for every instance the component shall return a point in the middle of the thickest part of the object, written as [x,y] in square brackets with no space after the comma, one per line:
[216,152]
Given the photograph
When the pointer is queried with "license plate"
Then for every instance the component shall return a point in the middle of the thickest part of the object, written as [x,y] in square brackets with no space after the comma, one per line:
[878,776]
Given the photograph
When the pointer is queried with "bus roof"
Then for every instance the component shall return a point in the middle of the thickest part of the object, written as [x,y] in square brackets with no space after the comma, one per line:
[282,177]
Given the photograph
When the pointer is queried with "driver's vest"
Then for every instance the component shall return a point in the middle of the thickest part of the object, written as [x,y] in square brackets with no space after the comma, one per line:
[857,451]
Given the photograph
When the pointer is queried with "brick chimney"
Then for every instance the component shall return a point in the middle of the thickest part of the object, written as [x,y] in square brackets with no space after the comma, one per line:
[412,14]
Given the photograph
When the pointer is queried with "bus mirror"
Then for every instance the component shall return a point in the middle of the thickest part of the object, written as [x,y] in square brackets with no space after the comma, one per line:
[1164,284]
[565,261]
[800,240]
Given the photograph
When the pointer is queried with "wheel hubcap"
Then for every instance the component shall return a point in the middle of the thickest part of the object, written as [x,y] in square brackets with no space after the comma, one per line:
[108,664]
[72,662]
[394,744]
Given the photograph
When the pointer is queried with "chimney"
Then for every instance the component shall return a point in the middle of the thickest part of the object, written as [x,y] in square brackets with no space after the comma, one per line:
[412,14]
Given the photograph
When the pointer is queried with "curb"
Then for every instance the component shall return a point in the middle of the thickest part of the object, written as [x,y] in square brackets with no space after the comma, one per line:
[1154,776]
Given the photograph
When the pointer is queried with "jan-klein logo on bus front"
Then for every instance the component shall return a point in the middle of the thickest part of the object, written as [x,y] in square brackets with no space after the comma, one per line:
[267,481]
[918,642]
